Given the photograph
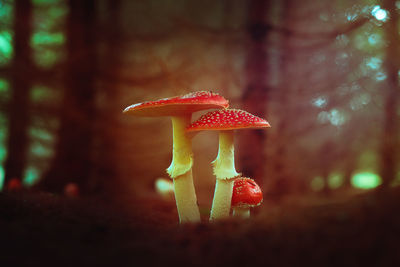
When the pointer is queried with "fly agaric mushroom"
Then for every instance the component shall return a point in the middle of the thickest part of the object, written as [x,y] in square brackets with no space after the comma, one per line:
[180,109]
[246,194]
[225,121]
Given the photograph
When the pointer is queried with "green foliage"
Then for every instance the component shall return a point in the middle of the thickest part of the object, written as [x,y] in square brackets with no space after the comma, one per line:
[43,94]
[6,35]
[6,48]
[40,134]
[48,39]
[5,92]
[2,174]
[45,2]
[57,12]
[3,137]
[3,150]
[47,58]
[39,150]
[32,176]
[3,153]
[50,122]
[6,11]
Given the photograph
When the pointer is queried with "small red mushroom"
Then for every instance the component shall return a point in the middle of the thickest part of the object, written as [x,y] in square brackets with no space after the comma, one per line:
[71,190]
[246,194]
[225,121]
[14,185]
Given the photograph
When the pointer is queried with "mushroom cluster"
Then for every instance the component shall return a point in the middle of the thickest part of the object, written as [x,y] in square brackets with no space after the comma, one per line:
[225,121]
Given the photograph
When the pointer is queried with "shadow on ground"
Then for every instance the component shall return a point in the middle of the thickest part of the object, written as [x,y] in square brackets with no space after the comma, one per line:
[39,229]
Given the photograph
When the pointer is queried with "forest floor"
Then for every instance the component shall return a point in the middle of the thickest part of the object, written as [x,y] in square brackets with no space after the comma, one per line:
[41,229]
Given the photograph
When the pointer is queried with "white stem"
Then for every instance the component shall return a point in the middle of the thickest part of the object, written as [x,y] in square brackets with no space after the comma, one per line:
[180,171]
[224,164]
[185,197]
[182,155]
[224,170]
[240,212]
[221,205]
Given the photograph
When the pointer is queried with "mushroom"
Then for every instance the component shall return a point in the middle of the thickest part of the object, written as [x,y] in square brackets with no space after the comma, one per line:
[71,190]
[246,194]
[225,121]
[180,109]
[14,185]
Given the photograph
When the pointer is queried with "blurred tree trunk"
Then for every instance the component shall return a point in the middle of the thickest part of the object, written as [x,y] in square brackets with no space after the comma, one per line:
[392,92]
[251,152]
[18,139]
[327,155]
[73,159]
[226,78]
[280,170]
[349,167]
[107,121]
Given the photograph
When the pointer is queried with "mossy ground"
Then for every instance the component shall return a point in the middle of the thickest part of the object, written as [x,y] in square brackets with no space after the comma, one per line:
[40,229]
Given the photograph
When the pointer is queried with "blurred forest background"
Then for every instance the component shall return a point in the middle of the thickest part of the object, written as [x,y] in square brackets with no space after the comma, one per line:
[325,74]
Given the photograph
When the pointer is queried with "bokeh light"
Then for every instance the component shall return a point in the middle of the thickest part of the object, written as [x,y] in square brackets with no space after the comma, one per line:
[32,175]
[335,180]
[317,183]
[1,178]
[379,13]
[366,180]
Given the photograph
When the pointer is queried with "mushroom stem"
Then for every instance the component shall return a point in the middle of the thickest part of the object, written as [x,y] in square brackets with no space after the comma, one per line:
[182,155]
[241,212]
[224,164]
[185,197]
[180,171]
[224,170]
[221,205]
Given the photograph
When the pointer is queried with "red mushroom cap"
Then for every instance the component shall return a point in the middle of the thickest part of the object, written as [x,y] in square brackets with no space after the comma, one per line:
[246,193]
[227,119]
[71,190]
[178,105]
[14,185]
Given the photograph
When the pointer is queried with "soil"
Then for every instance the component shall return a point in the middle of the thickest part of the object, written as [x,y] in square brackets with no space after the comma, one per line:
[41,229]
